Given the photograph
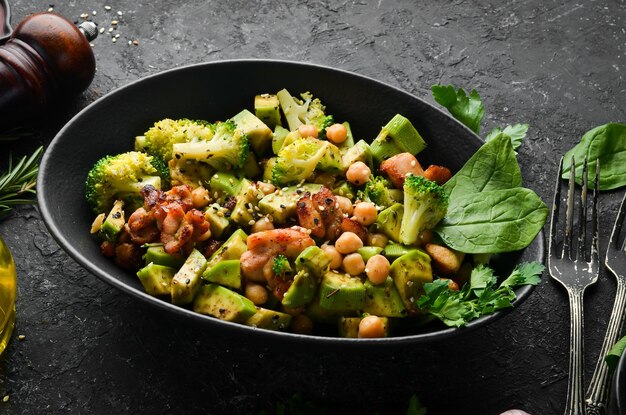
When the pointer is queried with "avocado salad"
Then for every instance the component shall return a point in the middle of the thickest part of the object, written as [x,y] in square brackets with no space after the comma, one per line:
[280,219]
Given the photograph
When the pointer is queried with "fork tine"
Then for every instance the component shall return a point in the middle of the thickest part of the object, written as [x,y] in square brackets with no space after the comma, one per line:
[569,213]
[595,242]
[556,202]
[582,213]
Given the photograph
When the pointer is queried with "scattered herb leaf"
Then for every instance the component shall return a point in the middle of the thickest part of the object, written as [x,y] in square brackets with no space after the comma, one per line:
[415,407]
[467,109]
[612,358]
[516,133]
[17,183]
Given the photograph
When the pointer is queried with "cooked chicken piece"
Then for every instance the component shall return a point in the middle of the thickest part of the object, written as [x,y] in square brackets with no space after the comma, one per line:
[397,167]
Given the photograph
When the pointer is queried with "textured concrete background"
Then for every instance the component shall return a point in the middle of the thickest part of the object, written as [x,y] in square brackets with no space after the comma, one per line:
[557,65]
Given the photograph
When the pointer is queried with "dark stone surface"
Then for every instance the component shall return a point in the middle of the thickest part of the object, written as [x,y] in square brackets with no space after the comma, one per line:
[90,349]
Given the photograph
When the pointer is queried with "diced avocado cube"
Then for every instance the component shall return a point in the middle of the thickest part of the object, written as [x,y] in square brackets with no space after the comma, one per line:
[250,168]
[278,139]
[187,281]
[331,161]
[313,259]
[383,300]
[224,304]
[323,315]
[226,273]
[219,223]
[114,222]
[394,251]
[341,292]
[269,320]
[389,221]
[259,134]
[349,326]
[246,201]
[345,189]
[369,251]
[156,279]
[302,290]
[267,109]
[410,272]
[233,248]
[349,142]
[282,205]
[225,184]
[268,170]
[359,152]
[157,254]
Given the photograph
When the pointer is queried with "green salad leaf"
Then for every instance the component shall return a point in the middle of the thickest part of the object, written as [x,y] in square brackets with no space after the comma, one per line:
[606,143]
[516,133]
[612,358]
[415,407]
[467,109]
[480,297]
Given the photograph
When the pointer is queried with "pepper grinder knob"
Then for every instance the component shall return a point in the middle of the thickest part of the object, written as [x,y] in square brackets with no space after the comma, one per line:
[46,58]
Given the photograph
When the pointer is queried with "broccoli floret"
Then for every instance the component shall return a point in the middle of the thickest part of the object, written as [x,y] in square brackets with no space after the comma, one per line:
[228,149]
[281,266]
[122,177]
[159,139]
[425,204]
[379,191]
[308,110]
[298,160]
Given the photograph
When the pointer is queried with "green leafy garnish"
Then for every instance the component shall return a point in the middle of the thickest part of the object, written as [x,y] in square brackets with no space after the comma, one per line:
[17,183]
[481,296]
[612,358]
[516,133]
[606,144]
[415,407]
[467,109]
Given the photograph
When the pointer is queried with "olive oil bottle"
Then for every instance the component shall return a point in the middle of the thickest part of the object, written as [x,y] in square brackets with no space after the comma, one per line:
[7,295]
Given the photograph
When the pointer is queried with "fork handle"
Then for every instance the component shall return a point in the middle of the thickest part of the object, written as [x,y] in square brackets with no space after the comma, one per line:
[575,404]
[597,393]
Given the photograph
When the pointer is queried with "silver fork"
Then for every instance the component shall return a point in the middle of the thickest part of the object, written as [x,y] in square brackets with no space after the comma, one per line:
[597,394]
[575,270]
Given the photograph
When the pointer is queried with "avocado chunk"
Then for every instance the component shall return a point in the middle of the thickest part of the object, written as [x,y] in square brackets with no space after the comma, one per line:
[269,319]
[280,134]
[186,282]
[358,152]
[349,326]
[282,204]
[246,201]
[226,273]
[343,188]
[341,292]
[383,300]
[323,315]
[225,184]
[251,167]
[331,161]
[410,272]
[259,134]
[156,279]
[369,251]
[114,222]
[394,251]
[233,248]
[397,136]
[219,223]
[313,259]
[267,109]
[220,302]
[349,142]
[302,290]
[390,220]
[268,170]
[156,253]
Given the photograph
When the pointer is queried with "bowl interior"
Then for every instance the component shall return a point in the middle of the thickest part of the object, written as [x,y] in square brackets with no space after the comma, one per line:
[216,91]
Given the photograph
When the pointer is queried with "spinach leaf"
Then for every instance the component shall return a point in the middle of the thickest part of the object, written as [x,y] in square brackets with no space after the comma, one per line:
[516,133]
[467,109]
[606,143]
[493,221]
[493,167]
[612,358]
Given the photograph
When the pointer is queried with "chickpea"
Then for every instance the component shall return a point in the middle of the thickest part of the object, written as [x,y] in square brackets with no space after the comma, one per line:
[345,204]
[348,242]
[353,264]
[263,224]
[256,293]
[365,213]
[377,269]
[307,130]
[337,133]
[358,173]
[199,197]
[302,324]
[266,188]
[336,259]
[377,239]
[371,327]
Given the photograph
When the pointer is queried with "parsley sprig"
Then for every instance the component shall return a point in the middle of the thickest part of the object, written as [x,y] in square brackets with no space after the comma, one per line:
[481,296]
[17,183]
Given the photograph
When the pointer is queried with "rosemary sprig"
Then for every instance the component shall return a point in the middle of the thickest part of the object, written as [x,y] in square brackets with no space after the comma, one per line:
[17,184]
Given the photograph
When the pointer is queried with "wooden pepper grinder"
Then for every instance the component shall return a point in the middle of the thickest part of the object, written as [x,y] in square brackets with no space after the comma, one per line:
[45,59]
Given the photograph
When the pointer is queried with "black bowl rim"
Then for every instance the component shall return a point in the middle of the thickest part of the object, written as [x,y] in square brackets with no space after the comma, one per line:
[239,329]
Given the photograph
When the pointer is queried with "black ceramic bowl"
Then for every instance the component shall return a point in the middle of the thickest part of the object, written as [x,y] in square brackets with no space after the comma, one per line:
[217,91]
